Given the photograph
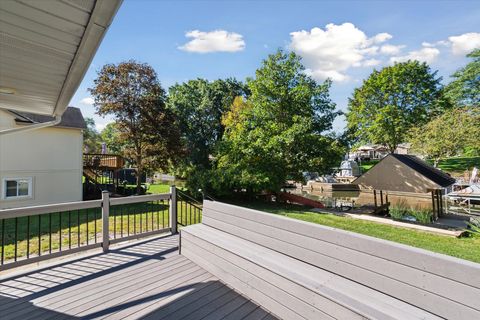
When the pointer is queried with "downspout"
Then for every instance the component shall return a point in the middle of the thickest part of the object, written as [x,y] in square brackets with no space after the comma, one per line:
[58,119]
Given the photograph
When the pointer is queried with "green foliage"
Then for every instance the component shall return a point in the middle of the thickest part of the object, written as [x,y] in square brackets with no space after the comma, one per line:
[91,137]
[448,134]
[464,90]
[111,136]
[401,210]
[392,101]
[199,106]
[130,92]
[278,130]
[422,215]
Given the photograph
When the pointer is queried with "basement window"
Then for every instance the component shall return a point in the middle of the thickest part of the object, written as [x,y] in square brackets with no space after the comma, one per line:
[17,188]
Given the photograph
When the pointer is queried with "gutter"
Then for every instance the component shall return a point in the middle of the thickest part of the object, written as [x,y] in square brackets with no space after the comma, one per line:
[58,119]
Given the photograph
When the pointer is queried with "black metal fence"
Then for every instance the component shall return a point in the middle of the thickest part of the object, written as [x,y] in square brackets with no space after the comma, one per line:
[189,209]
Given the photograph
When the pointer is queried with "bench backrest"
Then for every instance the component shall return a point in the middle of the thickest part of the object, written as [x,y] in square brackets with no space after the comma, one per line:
[443,285]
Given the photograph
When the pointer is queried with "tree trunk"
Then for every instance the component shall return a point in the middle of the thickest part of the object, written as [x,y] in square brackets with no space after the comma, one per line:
[139,175]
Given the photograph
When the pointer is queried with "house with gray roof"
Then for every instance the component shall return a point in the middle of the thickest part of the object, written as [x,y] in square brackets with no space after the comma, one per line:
[41,166]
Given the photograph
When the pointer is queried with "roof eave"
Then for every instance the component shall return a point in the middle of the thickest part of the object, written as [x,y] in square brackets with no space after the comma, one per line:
[100,19]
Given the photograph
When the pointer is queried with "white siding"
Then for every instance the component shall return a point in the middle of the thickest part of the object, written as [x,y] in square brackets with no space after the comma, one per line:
[51,156]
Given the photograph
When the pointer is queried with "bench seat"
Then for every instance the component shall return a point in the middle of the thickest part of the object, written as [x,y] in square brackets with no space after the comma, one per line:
[301,270]
[311,292]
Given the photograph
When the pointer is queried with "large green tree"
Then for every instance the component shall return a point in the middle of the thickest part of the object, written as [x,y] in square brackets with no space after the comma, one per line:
[91,137]
[199,105]
[464,90]
[279,131]
[131,93]
[111,136]
[448,134]
[392,101]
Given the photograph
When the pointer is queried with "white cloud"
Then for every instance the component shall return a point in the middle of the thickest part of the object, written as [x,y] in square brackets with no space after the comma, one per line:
[87,101]
[390,49]
[465,43]
[371,62]
[213,41]
[381,37]
[426,54]
[330,52]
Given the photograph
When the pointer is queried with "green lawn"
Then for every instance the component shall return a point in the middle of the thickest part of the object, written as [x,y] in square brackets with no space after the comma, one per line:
[467,248]
[158,188]
[367,165]
[458,164]
[80,227]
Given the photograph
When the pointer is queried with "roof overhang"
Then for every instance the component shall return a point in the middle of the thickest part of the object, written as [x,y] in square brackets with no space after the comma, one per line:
[46,48]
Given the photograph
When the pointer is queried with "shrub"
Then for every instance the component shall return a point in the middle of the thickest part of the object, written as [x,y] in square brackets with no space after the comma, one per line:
[399,210]
[422,215]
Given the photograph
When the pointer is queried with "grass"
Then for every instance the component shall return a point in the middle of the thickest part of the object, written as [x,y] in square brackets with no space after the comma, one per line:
[467,248]
[82,227]
[367,165]
[458,164]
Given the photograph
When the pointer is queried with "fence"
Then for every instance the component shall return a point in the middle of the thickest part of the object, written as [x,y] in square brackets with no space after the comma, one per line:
[33,234]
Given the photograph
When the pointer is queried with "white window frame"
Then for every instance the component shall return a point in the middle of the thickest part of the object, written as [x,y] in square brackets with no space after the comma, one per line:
[4,188]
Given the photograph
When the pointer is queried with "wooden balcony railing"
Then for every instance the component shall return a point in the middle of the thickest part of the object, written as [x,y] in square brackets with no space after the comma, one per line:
[103,161]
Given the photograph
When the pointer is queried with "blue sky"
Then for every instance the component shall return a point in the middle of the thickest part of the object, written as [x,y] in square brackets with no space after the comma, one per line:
[343,40]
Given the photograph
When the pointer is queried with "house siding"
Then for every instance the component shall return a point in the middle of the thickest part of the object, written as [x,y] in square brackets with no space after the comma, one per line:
[52,157]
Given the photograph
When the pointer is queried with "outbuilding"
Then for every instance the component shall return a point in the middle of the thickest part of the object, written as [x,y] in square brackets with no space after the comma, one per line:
[404,173]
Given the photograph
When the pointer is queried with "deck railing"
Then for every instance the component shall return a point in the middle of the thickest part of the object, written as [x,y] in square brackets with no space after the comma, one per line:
[33,234]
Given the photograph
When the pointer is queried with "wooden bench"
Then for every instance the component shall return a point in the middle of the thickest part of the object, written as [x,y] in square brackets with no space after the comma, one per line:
[300,270]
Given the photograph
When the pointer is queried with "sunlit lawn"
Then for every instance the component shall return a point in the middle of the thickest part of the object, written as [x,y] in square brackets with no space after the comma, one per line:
[458,164]
[85,226]
[467,248]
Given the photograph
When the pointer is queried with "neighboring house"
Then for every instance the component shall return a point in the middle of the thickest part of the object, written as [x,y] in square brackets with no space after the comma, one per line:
[377,152]
[41,166]
[404,173]
[404,148]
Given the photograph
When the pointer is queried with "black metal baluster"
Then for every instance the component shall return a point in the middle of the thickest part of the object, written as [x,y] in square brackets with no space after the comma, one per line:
[114,223]
[122,208]
[69,229]
[158,214]
[141,213]
[145,208]
[60,231]
[78,228]
[152,208]
[28,237]
[184,209]
[134,221]
[86,210]
[50,232]
[3,242]
[190,211]
[39,234]
[128,219]
[95,225]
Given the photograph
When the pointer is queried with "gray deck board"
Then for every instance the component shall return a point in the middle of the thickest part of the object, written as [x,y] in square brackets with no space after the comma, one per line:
[146,279]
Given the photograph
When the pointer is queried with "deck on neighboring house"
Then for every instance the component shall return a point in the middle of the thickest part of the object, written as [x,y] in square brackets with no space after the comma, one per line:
[146,279]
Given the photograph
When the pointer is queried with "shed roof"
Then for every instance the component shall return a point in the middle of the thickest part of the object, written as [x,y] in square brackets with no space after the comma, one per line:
[425,169]
[404,173]
[71,118]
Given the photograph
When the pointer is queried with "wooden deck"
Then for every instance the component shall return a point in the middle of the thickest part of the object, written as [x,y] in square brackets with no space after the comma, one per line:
[147,280]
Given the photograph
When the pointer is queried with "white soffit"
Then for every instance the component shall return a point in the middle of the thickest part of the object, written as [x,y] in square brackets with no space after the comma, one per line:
[46,47]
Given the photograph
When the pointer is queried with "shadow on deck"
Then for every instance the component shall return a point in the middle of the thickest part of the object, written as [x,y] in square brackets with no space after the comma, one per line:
[147,279]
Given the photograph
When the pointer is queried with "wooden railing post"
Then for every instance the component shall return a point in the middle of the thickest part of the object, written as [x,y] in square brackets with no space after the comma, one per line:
[173,209]
[105,222]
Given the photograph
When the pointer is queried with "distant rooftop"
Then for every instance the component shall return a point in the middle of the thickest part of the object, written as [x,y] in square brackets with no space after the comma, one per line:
[71,118]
